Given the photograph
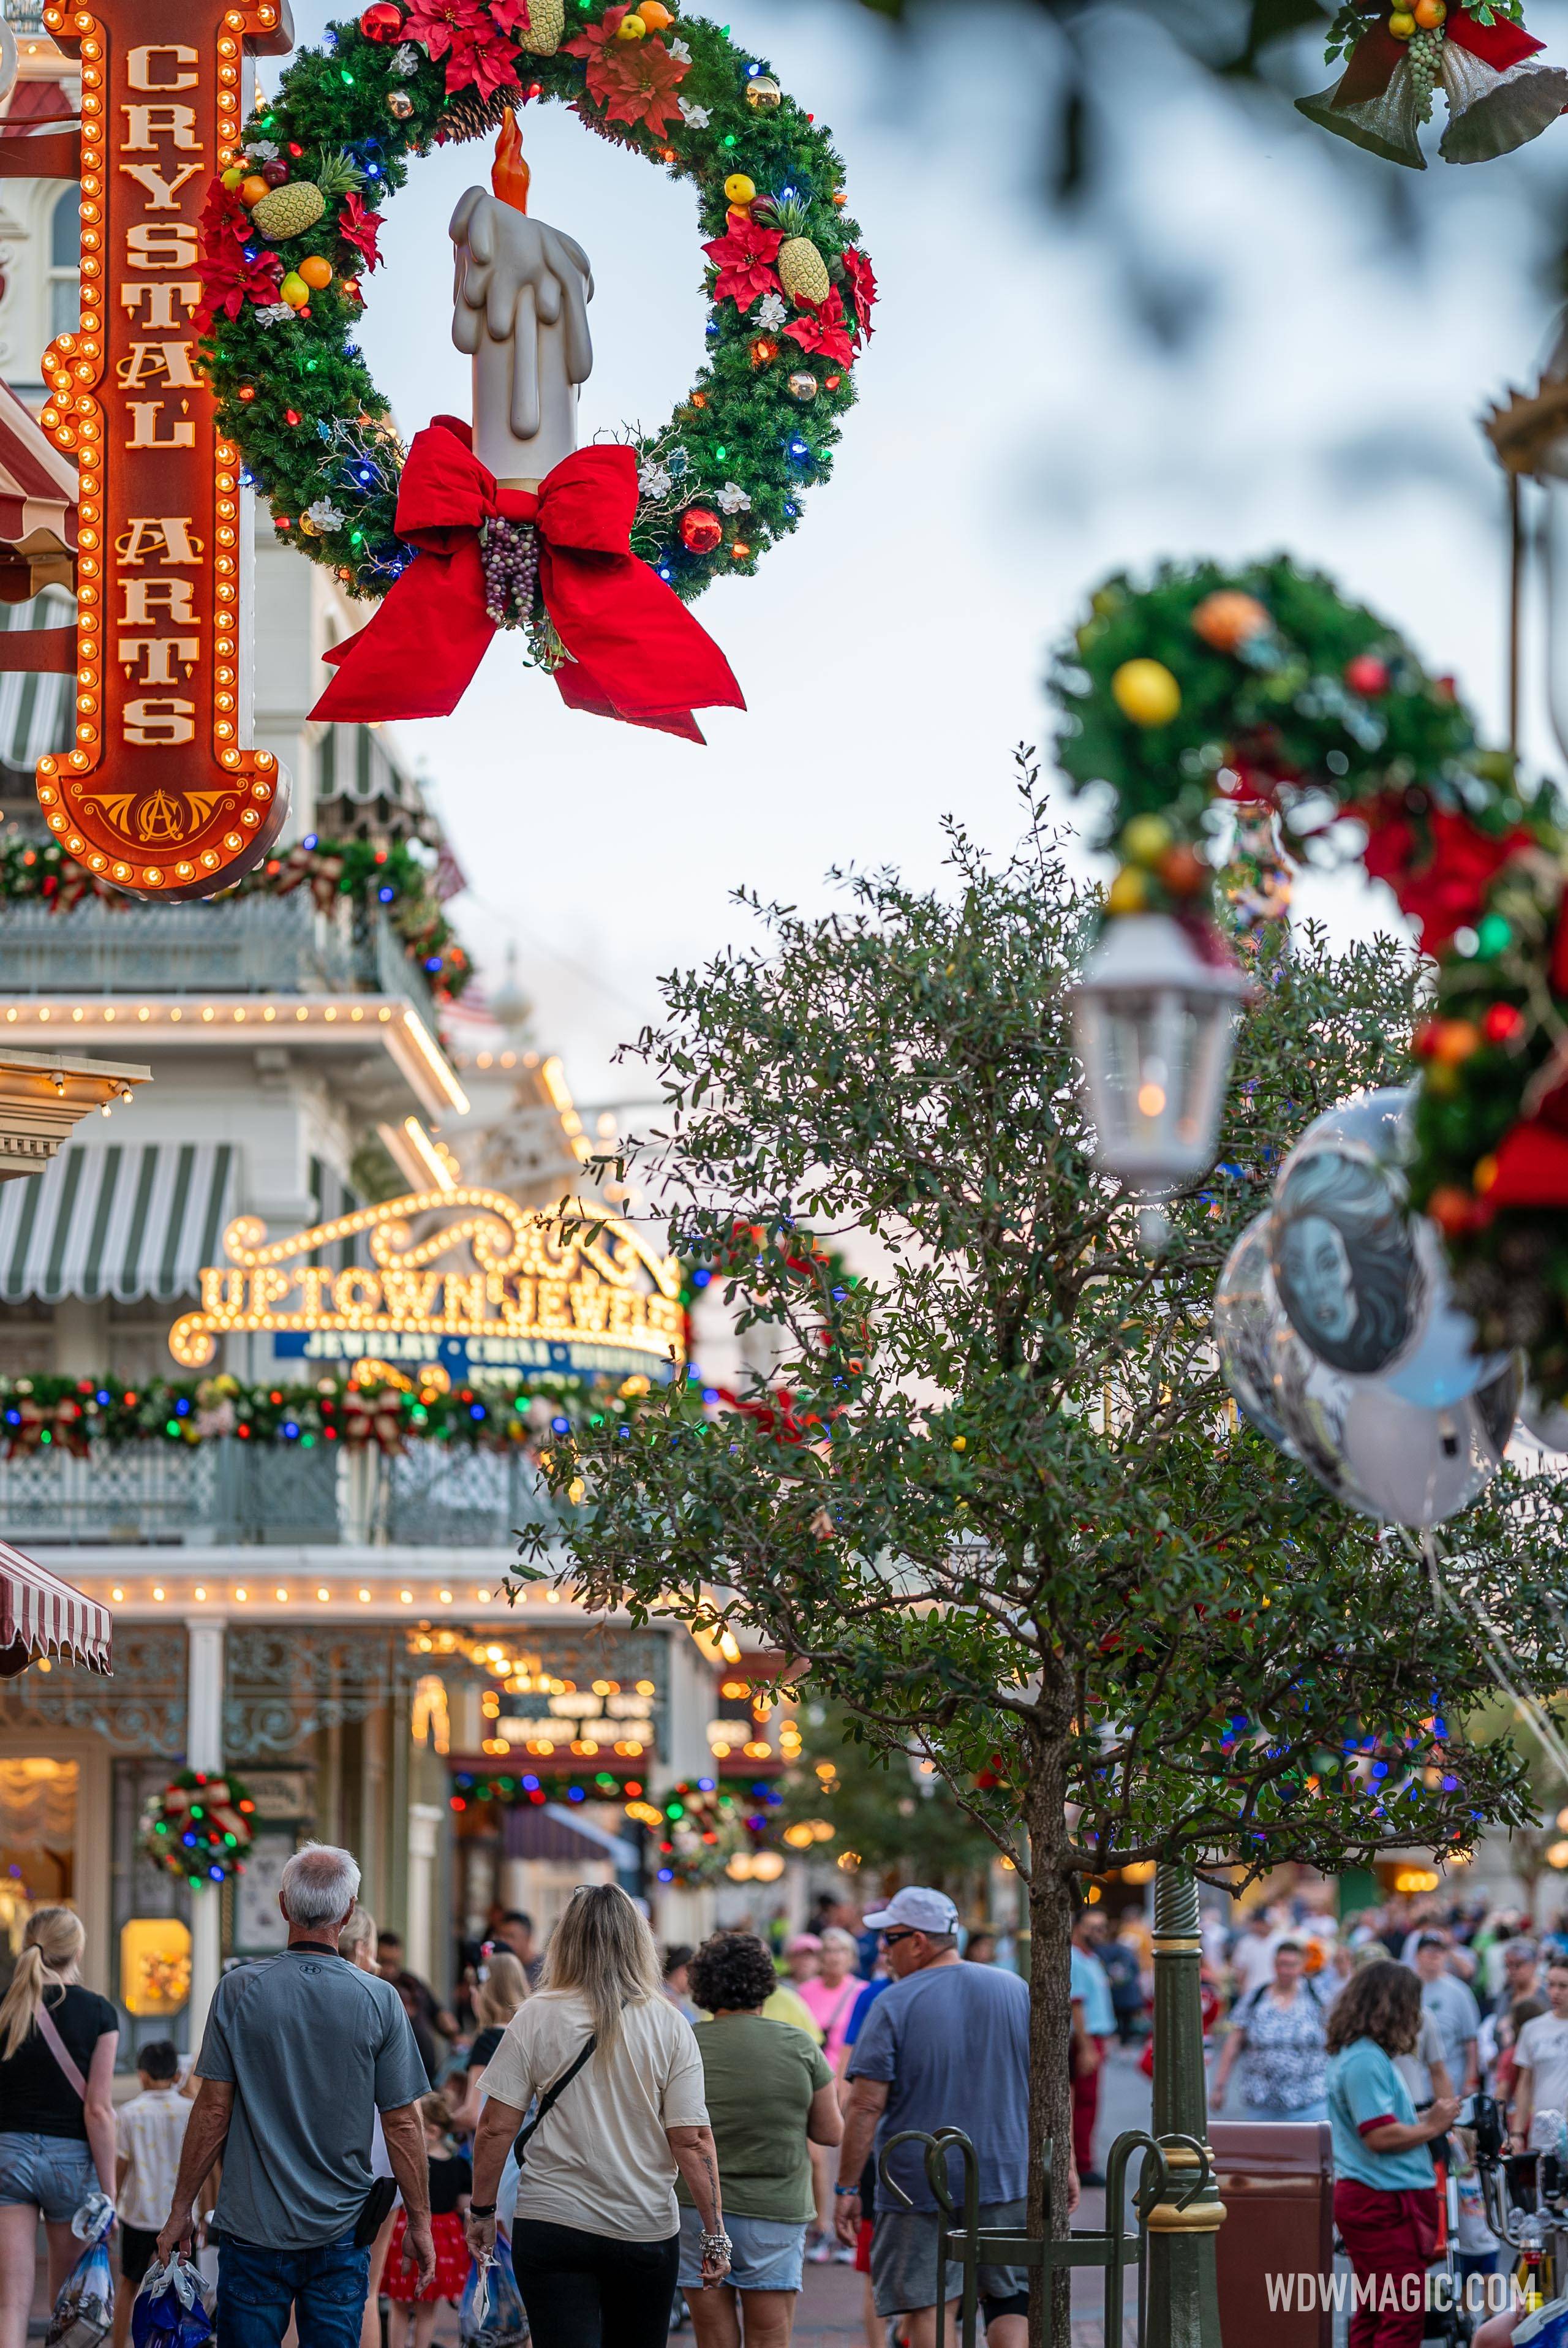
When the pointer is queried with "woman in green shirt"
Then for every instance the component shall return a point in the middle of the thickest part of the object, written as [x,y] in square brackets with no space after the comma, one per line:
[770,2097]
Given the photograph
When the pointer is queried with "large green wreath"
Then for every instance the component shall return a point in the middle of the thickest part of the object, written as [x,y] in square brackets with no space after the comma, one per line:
[790,291]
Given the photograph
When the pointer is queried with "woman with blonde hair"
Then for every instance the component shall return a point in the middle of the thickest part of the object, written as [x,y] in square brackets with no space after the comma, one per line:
[596,2239]
[57,2114]
[496,2000]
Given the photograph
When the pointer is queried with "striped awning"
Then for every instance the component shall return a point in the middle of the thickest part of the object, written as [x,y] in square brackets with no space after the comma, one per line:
[37,713]
[107,1219]
[42,1615]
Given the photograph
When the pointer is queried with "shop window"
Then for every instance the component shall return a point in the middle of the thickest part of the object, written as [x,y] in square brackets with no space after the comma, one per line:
[65,263]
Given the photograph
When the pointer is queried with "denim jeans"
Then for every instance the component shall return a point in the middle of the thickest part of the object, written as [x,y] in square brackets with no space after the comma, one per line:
[257,2288]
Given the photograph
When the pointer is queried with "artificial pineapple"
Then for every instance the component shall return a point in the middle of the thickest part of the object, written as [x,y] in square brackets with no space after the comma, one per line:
[546,24]
[802,271]
[298,204]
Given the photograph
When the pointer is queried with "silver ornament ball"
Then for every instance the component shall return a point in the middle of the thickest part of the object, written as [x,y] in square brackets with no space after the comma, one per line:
[399,104]
[763,94]
[802,386]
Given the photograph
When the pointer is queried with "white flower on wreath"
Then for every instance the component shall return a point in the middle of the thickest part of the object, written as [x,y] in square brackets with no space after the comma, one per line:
[405,61]
[262,151]
[696,117]
[732,498]
[679,51]
[324,515]
[771,313]
[273,313]
[653,480]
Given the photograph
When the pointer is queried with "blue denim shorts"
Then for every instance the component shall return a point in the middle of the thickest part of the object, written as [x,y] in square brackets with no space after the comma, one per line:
[54,2173]
[767,2253]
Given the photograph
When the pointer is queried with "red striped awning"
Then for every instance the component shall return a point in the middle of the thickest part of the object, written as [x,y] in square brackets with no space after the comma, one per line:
[42,1615]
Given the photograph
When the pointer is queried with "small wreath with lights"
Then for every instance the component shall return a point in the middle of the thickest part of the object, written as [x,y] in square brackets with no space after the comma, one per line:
[291,230]
[199,1826]
[704,1825]
[1265,691]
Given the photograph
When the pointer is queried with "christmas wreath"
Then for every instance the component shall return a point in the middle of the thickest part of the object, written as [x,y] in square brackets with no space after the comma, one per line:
[1265,691]
[291,230]
[706,1825]
[199,1826]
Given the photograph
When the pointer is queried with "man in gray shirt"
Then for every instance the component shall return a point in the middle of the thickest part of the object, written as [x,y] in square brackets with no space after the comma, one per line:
[1454,2010]
[947,2046]
[300,2053]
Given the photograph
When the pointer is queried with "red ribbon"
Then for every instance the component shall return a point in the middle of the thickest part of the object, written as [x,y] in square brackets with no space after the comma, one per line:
[1376,55]
[636,652]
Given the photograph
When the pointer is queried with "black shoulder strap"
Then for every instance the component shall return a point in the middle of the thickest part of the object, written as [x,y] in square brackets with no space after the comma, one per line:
[551,2097]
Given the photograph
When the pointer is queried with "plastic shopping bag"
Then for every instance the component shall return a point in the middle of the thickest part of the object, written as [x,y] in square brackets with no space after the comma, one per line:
[1546,2328]
[84,2311]
[491,2315]
[173,2308]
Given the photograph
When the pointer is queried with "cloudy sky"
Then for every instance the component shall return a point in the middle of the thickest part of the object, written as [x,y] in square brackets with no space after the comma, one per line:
[1249,338]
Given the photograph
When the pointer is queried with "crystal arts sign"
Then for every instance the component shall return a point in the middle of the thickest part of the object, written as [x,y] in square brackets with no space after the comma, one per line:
[158,794]
[465,1277]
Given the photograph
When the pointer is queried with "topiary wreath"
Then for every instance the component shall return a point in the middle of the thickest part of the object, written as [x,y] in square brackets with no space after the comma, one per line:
[291,227]
[199,1826]
[1264,688]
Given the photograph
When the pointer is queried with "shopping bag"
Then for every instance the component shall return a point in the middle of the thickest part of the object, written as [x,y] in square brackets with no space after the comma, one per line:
[491,2312]
[173,2307]
[84,2311]
[1546,2328]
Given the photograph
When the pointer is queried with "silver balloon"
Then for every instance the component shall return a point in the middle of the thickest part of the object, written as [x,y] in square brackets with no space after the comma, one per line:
[1313,1402]
[1246,1313]
[1420,1466]
[1376,1120]
[1440,1364]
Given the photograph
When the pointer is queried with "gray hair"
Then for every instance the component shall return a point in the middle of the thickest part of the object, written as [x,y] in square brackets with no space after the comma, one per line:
[320,1884]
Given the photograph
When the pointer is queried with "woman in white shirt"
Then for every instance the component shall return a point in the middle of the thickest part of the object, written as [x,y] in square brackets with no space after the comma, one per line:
[596,2239]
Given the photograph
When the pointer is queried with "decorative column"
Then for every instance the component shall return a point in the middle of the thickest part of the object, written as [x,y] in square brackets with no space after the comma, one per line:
[205,1750]
[1183,2296]
[424,1825]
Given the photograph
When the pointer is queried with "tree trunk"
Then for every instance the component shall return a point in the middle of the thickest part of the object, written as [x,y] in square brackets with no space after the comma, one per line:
[1050,2027]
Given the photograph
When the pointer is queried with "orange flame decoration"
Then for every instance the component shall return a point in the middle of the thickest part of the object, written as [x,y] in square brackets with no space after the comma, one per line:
[509,174]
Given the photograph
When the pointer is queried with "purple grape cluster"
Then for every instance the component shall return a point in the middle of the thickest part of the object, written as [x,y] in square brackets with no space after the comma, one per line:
[509,557]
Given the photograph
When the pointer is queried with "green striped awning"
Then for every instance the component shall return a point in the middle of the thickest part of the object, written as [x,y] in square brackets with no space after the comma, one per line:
[110,1219]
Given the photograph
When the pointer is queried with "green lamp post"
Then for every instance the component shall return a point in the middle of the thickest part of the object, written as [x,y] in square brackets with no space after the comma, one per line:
[1183,2294]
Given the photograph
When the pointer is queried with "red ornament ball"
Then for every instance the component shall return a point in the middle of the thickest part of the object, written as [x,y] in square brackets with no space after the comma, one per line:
[701,530]
[1501,1022]
[1366,674]
[383,22]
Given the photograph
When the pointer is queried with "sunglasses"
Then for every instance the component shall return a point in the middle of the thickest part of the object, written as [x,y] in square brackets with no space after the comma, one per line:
[907,1935]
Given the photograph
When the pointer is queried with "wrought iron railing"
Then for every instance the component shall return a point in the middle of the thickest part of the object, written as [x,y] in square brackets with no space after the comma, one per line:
[257,945]
[226,1493]
[963,2242]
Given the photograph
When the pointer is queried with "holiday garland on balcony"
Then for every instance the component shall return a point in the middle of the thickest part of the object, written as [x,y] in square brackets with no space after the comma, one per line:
[199,1826]
[386,1411]
[290,233]
[331,869]
[1265,689]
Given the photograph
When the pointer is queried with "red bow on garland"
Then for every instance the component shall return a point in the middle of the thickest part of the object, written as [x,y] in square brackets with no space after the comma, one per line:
[635,651]
[1497,100]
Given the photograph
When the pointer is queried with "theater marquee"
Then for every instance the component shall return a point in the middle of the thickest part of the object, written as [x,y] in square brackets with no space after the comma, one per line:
[465,1277]
[158,793]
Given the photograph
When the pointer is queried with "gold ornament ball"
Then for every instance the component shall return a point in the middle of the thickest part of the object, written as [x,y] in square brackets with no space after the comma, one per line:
[1145,838]
[1145,691]
[399,104]
[307,528]
[763,94]
[1128,893]
[802,386]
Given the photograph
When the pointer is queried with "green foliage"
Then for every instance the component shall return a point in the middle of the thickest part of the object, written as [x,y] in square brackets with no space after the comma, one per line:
[893,1818]
[1020,1528]
[738,423]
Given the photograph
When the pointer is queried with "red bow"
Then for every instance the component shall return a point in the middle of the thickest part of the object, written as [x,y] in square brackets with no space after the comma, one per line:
[635,651]
[1376,55]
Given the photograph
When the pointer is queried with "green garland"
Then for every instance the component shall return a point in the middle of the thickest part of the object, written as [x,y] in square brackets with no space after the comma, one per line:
[294,392]
[42,1413]
[1263,686]
[357,868]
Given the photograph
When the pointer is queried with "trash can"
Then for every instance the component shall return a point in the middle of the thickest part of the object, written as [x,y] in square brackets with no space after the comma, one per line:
[1274,2253]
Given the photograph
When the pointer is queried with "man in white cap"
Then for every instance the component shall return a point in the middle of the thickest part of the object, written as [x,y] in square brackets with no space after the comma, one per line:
[946,2046]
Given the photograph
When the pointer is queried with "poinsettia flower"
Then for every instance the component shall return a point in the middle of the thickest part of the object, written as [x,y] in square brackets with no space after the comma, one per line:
[1440,871]
[633,81]
[862,290]
[229,279]
[825,331]
[466,34]
[360,229]
[746,258]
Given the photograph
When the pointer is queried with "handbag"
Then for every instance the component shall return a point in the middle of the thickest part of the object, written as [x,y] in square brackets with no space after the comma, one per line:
[551,2097]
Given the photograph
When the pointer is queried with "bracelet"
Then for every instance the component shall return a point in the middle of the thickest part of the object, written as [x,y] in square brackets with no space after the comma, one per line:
[487,2210]
[717,2245]
[847,2192]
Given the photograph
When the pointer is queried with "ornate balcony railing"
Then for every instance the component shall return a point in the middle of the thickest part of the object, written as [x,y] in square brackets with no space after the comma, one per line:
[227,1493]
[254,945]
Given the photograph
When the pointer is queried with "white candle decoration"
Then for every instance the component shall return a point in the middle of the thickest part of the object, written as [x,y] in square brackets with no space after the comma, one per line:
[521,312]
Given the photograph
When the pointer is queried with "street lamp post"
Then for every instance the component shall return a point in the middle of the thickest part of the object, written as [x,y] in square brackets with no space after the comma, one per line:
[1183,2294]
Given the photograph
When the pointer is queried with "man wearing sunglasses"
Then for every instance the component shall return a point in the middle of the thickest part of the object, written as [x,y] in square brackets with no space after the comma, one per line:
[947,2046]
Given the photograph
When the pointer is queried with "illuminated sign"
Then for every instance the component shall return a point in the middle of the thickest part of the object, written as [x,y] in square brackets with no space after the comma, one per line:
[158,793]
[528,1292]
